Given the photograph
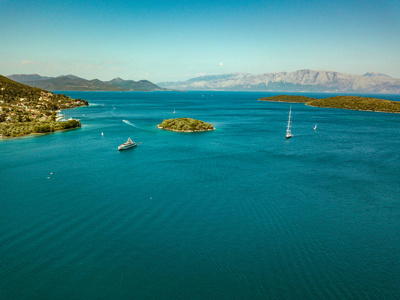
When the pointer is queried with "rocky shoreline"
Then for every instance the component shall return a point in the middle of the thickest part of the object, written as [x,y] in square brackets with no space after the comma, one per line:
[159,127]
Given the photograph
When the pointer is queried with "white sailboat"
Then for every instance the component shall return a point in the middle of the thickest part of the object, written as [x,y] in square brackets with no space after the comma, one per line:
[288,131]
[174,110]
[315,127]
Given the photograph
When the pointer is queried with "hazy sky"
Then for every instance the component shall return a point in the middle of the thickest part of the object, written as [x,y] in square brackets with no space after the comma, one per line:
[175,40]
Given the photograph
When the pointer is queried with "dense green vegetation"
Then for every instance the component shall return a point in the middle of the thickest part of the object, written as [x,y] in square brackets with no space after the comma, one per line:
[8,129]
[287,98]
[185,125]
[25,109]
[345,102]
[357,103]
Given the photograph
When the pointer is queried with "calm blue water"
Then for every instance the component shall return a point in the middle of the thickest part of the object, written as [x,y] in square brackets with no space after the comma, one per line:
[237,213]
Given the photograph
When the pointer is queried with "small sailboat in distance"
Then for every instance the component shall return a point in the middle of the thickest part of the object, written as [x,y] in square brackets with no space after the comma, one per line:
[315,127]
[288,131]
[174,110]
[102,134]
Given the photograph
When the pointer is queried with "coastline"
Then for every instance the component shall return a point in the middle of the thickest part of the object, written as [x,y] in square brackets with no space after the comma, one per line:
[378,111]
[281,101]
[36,133]
[185,131]
[43,133]
[355,103]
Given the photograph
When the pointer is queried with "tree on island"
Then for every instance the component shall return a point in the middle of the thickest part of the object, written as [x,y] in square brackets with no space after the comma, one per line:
[185,125]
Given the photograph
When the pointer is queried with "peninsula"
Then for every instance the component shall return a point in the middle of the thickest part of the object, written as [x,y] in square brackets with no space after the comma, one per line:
[344,102]
[25,110]
[185,125]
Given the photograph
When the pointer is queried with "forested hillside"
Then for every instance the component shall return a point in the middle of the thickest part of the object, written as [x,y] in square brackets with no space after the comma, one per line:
[25,109]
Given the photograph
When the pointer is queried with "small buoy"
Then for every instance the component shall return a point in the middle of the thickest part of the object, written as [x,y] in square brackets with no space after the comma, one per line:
[51,173]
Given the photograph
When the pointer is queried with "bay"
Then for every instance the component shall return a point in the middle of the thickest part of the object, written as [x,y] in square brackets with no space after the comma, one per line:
[236,213]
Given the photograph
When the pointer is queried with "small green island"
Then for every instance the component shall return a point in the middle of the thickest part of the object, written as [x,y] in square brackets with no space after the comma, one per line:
[28,110]
[185,125]
[344,102]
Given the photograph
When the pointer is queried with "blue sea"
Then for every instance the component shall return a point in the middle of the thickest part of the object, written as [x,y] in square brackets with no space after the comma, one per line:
[235,213]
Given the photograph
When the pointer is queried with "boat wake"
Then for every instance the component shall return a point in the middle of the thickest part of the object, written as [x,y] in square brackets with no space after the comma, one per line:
[96,104]
[133,125]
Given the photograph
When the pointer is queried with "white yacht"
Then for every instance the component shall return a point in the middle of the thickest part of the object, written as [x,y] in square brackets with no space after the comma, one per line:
[129,144]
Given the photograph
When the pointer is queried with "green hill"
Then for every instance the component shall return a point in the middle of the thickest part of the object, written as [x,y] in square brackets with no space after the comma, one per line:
[74,83]
[140,86]
[287,98]
[185,125]
[344,102]
[25,109]
[22,78]
[357,103]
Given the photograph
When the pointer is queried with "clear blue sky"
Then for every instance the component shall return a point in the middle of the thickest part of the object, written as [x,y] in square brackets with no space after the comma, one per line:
[169,40]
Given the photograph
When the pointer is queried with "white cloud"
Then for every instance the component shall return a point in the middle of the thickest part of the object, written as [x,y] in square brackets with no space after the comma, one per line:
[27,62]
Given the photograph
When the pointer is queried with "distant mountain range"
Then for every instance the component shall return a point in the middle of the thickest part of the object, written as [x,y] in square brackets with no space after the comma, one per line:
[298,81]
[74,83]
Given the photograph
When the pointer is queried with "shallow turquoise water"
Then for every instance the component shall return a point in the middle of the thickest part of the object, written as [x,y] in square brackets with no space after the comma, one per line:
[236,213]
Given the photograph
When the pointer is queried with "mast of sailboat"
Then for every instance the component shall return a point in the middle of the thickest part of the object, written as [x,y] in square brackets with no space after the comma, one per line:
[288,131]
